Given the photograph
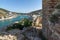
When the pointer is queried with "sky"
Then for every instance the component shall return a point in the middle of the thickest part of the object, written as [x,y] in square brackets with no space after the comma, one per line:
[23,6]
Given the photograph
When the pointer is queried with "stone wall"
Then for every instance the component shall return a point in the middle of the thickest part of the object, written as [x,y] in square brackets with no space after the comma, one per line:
[48,31]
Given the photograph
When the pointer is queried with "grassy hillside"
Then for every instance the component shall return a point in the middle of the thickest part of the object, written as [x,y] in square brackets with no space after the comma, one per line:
[3,12]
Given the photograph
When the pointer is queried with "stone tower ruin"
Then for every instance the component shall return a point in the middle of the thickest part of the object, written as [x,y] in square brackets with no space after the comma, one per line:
[50,31]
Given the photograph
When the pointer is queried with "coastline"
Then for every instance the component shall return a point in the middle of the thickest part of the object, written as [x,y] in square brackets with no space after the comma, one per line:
[4,27]
[9,18]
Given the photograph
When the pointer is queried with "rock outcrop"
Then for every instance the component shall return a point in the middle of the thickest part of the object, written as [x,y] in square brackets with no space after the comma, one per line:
[16,34]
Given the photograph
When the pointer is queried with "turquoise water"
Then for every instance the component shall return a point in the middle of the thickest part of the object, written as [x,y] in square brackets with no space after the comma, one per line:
[4,23]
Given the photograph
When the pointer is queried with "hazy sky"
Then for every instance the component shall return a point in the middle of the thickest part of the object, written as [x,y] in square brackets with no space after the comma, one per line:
[21,5]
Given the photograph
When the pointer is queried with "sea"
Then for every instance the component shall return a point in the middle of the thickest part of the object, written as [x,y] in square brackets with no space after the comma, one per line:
[4,23]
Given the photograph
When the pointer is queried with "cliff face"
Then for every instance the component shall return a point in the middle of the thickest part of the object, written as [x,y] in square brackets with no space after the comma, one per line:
[3,13]
[50,31]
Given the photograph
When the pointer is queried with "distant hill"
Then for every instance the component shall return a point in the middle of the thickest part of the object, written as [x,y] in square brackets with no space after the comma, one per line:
[37,12]
[4,10]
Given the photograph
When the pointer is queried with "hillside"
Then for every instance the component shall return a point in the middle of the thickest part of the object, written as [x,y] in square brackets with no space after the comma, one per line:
[6,14]
[3,12]
[37,12]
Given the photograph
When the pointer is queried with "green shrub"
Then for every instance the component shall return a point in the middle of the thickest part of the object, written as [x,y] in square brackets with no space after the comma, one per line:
[15,26]
[23,23]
